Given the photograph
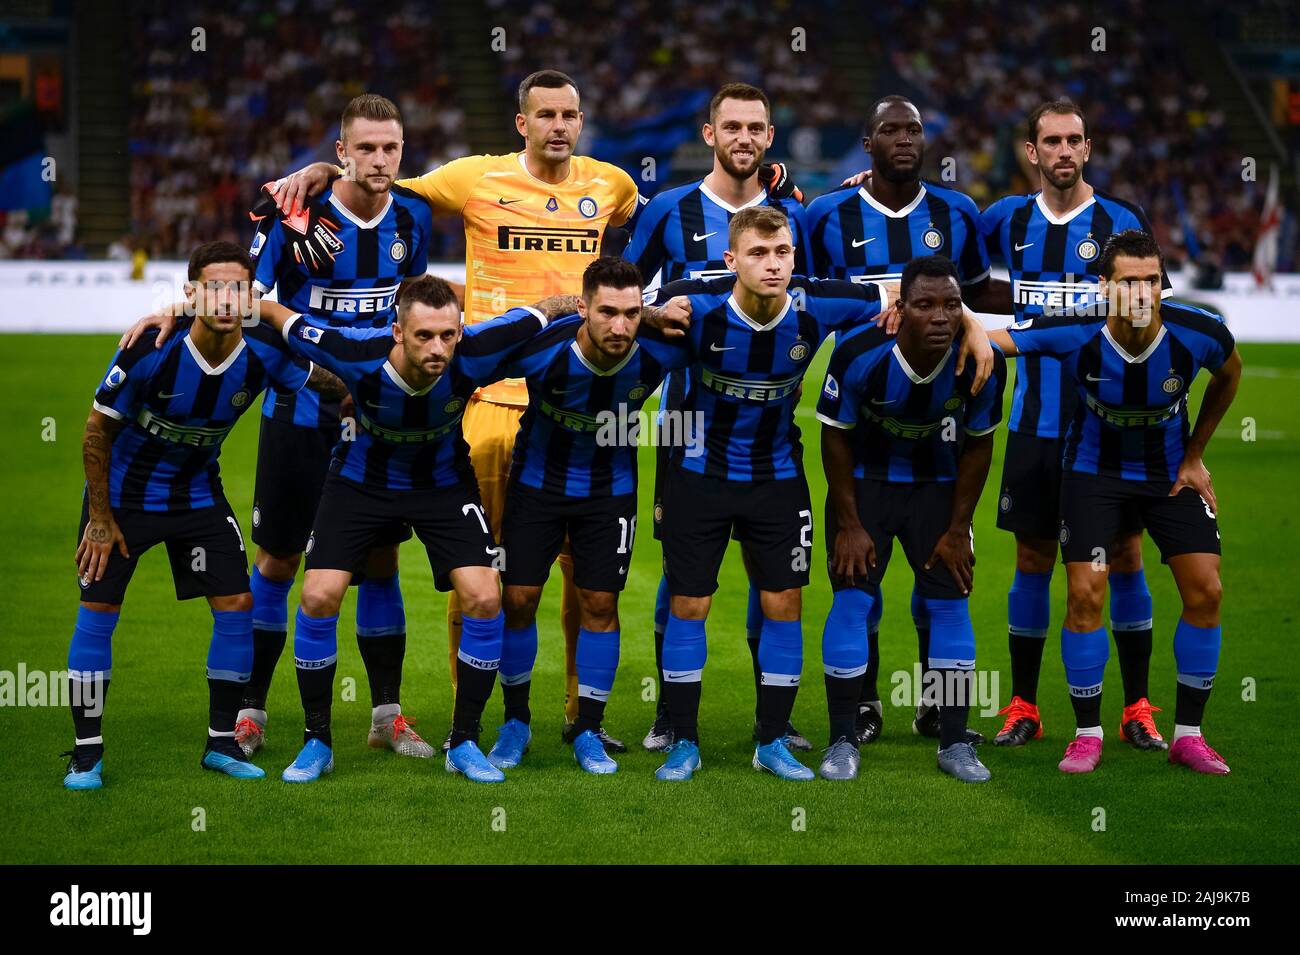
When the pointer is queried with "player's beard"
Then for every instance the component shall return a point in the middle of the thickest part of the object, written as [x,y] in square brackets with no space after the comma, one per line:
[731,169]
[891,173]
[1070,180]
[373,188]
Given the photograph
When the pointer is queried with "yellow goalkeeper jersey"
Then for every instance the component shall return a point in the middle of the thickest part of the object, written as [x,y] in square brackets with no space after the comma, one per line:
[525,239]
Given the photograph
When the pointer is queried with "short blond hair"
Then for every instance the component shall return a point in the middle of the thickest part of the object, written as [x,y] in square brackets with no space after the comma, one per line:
[765,220]
[369,106]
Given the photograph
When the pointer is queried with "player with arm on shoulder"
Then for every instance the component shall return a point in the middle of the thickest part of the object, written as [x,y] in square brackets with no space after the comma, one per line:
[1051,242]
[869,233]
[407,467]
[906,447]
[1128,451]
[150,454]
[682,234]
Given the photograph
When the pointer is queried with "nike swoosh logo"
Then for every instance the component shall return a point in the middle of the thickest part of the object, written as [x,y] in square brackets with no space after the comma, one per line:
[859,243]
[164,396]
[713,347]
[676,676]
[1093,378]
[877,401]
[1021,248]
[701,238]
[622,570]
[841,672]
[505,202]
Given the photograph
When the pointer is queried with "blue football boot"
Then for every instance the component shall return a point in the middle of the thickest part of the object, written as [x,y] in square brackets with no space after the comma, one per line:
[682,762]
[776,759]
[83,773]
[512,743]
[224,755]
[314,760]
[590,753]
[468,759]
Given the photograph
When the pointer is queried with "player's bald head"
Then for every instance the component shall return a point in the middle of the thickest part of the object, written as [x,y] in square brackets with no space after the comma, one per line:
[886,105]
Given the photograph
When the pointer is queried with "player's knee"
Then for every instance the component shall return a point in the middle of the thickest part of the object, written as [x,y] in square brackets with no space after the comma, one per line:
[599,609]
[520,605]
[1126,555]
[95,607]
[277,566]
[783,605]
[319,600]
[1083,606]
[689,608]
[480,598]
[1035,556]
[236,602]
[1202,601]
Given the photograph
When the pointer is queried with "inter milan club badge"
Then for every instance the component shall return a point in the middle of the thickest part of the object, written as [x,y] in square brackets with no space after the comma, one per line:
[1087,249]
[552,204]
[798,351]
[397,250]
[933,238]
[587,206]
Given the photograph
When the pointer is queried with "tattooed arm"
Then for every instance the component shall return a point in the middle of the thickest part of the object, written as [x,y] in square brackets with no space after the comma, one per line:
[557,305]
[102,533]
[327,383]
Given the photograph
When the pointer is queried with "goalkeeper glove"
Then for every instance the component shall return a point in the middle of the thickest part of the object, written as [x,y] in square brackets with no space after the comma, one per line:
[775,177]
[310,234]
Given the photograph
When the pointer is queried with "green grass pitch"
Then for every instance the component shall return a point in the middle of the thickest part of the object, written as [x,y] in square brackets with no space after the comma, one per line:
[378,807]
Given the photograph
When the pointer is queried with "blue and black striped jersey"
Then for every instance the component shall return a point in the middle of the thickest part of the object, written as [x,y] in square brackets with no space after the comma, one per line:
[357,288]
[177,409]
[681,234]
[1130,419]
[409,438]
[580,432]
[855,237]
[906,427]
[745,375]
[1053,265]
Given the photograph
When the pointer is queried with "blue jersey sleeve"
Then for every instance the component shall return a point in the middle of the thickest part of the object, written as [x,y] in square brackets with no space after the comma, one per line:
[287,370]
[973,257]
[990,223]
[266,251]
[836,304]
[347,352]
[671,353]
[646,250]
[126,383]
[819,260]
[798,216]
[984,410]
[1058,335]
[487,348]
[419,259]
[855,354]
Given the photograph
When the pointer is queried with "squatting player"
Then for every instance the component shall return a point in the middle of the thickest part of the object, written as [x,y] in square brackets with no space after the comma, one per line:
[752,338]
[682,234]
[906,448]
[574,476]
[150,454]
[1051,242]
[534,219]
[1128,449]
[408,466]
[340,259]
[869,232]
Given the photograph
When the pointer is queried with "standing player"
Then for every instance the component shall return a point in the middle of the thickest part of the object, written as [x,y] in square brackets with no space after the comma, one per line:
[534,219]
[869,232]
[1051,242]
[752,339]
[574,476]
[906,448]
[150,454]
[682,234]
[1128,449]
[408,466]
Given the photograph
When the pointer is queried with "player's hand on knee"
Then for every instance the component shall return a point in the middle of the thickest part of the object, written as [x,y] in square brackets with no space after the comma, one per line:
[1193,473]
[854,553]
[954,551]
[97,543]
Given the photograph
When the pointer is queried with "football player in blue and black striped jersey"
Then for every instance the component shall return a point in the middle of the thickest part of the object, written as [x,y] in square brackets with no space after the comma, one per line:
[1051,242]
[752,338]
[408,466]
[1129,450]
[682,234]
[906,448]
[150,454]
[574,477]
[868,232]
